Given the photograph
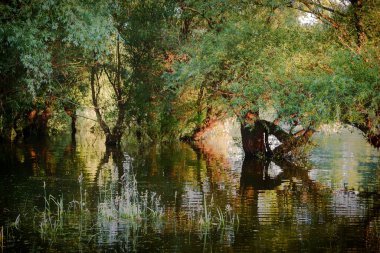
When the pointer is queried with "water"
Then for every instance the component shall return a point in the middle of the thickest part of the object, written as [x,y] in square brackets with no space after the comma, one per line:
[331,205]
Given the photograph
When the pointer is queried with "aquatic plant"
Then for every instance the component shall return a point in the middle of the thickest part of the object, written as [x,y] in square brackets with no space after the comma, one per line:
[2,237]
[123,210]
[16,223]
[7,232]
[120,200]
[206,218]
[124,213]
[129,205]
[51,216]
[215,216]
[228,216]
[82,200]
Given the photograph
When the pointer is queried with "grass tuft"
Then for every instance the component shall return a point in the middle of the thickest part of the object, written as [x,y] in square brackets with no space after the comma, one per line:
[2,237]
[214,216]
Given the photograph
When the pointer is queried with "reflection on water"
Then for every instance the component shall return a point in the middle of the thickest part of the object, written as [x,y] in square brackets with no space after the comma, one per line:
[346,161]
[179,199]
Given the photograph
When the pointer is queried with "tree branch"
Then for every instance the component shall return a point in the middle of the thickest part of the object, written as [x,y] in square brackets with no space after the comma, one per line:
[319,5]
[209,21]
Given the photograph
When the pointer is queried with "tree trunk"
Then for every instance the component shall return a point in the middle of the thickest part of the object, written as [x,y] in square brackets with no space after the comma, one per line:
[359,26]
[185,29]
[94,96]
[71,112]
[73,124]
[37,123]
[254,136]
[255,133]
[374,140]
[253,139]
[138,130]
[118,129]
[113,139]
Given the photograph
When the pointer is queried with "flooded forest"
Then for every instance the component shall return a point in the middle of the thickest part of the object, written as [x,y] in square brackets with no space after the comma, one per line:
[189,126]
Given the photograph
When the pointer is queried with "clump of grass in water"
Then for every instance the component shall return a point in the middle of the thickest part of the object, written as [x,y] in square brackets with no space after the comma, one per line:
[214,216]
[207,217]
[82,201]
[7,232]
[2,237]
[122,204]
[52,216]
[129,205]
[123,211]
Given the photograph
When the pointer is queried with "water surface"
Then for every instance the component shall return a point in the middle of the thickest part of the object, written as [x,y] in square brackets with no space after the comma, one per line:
[331,205]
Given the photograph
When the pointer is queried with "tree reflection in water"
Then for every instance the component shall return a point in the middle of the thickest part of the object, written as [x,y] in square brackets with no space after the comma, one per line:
[281,207]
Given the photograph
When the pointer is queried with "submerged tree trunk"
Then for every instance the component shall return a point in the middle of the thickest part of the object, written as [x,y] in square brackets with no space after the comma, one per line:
[374,140]
[255,133]
[71,112]
[113,139]
[73,124]
[37,123]
[253,139]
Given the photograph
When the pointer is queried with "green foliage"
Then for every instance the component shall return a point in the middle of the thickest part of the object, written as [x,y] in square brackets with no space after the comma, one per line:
[185,62]
[264,58]
[44,45]
[149,105]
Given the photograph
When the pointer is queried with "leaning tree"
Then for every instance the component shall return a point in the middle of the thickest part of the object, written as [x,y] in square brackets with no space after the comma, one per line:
[263,59]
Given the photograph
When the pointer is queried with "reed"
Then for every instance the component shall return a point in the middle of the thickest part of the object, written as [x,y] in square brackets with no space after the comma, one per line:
[129,205]
[82,202]
[2,237]
[205,220]
[16,223]
[214,216]
[125,211]
[51,216]
[124,208]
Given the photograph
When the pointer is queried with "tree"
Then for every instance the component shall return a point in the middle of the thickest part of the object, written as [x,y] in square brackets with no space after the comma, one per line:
[220,57]
[45,44]
[147,38]
[356,64]
[263,59]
